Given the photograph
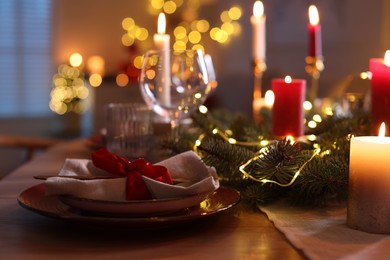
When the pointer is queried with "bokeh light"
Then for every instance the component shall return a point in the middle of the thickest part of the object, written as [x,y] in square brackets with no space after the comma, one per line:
[69,93]
[75,59]
[122,80]
[95,80]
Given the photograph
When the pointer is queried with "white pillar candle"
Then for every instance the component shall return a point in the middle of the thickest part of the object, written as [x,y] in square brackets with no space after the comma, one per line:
[162,44]
[258,29]
[369,184]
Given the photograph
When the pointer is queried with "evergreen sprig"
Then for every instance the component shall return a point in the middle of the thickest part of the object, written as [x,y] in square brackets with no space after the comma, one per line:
[322,178]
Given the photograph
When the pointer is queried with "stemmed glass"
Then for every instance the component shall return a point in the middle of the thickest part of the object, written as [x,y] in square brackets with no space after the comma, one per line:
[174,83]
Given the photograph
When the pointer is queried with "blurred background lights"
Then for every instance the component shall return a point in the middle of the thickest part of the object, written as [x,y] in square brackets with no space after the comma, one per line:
[190,29]
[95,65]
[69,93]
[122,80]
[75,59]
[269,98]
[307,105]
[95,80]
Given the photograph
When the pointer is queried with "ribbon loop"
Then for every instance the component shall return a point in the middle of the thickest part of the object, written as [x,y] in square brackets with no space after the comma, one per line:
[136,188]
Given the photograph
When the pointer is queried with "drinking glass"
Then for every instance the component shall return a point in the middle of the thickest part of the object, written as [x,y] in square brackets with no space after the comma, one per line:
[211,71]
[174,83]
[129,129]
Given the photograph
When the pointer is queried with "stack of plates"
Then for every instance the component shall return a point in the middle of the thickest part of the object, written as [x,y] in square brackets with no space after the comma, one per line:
[134,214]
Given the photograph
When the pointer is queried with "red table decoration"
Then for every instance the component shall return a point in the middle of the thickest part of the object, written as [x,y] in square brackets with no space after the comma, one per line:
[380,91]
[287,111]
[136,188]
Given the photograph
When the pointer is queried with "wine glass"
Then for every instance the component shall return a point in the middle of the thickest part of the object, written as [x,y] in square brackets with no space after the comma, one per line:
[174,83]
[211,71]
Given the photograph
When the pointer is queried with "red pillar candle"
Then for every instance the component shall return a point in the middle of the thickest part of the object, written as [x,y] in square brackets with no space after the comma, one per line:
[287,111]
[380,91]
[314,28]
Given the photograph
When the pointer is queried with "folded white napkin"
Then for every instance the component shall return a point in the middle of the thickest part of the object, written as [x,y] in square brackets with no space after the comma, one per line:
[187,168]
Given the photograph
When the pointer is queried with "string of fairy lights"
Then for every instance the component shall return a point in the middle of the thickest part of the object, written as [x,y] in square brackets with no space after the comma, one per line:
[262,144]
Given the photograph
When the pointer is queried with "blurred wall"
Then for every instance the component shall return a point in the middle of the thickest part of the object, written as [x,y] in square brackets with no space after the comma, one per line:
[352,32]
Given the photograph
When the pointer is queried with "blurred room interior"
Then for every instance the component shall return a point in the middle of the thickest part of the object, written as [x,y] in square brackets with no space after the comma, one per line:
[39,36]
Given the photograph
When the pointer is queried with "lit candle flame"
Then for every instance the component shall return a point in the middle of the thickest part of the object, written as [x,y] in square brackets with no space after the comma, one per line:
[387,58]
[269,98]
[288,79]
[313,15]
[161,23]
[258,9]
[382,131]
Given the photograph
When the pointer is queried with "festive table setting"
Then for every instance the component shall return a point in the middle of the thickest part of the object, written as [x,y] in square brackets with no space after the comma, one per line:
[303,178]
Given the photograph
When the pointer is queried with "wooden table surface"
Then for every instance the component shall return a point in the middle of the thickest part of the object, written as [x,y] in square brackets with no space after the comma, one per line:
[237,234]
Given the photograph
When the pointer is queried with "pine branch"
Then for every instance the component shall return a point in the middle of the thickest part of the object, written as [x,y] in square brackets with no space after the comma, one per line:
[322,180]
[280,161]
[225,157]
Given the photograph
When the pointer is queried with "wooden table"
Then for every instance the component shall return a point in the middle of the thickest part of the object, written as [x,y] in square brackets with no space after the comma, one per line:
[26,235]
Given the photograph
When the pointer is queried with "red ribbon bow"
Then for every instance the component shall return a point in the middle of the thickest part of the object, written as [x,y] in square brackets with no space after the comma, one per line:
[136,188]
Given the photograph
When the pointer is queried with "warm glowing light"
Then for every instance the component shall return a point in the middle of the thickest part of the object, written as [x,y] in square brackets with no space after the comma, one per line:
[313,15]
[235,13]
[198,47]
[202,26]
[237,28]
[169,7]
[221,36]
[387,58]
[180,32]
[312,124]
[75,59]
[138,61]
[364,75]
[317,118]
[258,9]
[141,34]
[203,109]
[269,98]
[127,40]
[228,27]
[290,138]
[288,79]
[95,64]
[128,23]
[194,37]
[122,80]
[161,23]
[307,105]
[157,4]
[328,111]
[382,131]
[95,80]
[213,33]
[179,46]
[232,141]
[264,142]
[312,138]
[225,17]
[198,95]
